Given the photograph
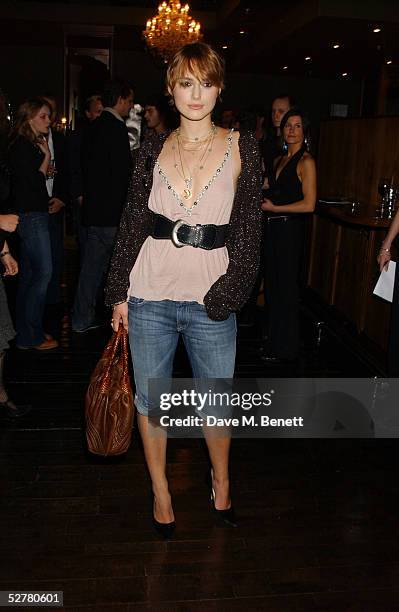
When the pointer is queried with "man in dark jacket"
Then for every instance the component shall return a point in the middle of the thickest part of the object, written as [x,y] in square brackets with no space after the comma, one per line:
[106,164]
[76,140]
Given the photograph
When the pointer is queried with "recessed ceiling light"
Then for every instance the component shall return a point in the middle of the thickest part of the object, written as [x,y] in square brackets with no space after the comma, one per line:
[336,46]
[389,62]
[376,30]
[307,58]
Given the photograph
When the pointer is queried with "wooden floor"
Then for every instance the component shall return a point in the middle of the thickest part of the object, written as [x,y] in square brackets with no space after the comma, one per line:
[319,518]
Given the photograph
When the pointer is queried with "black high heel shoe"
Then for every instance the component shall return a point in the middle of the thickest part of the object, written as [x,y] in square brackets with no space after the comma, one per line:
[165,530]
[227,516]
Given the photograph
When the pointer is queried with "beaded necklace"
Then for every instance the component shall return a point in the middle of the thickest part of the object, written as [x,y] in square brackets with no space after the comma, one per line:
[204,150]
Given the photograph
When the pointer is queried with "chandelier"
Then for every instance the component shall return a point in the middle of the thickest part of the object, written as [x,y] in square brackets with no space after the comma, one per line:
[172,28]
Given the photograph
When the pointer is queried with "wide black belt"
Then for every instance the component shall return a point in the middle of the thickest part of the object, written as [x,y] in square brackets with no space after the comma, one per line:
[180,233]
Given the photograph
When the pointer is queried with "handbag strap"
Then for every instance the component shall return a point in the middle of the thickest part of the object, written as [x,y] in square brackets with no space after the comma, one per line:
[125,360]
[119,338]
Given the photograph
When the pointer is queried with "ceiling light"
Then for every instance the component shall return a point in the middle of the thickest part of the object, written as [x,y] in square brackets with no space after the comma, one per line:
[224,47]
[285,67]
[344,74]
[307,58]
[170,29]
[389,62]
[336,46]
[242,32]
[376,30]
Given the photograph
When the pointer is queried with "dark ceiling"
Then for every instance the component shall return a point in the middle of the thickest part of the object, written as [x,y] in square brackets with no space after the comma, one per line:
[276,37]
[199,5]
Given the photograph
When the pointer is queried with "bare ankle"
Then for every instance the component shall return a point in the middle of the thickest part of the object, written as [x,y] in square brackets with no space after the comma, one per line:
[163,510]
[220,479]
[161,489]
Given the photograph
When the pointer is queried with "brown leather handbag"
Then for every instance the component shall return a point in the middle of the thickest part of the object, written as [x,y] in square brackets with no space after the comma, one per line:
[109,404]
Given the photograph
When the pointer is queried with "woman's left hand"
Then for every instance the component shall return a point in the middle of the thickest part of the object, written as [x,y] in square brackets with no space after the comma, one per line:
[10,265]
[268,205]
[383,259]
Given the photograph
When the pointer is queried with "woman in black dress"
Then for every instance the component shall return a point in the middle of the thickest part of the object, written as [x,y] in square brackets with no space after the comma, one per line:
[288,202]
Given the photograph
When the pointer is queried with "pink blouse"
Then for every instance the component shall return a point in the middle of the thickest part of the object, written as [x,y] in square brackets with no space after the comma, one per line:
[164,272]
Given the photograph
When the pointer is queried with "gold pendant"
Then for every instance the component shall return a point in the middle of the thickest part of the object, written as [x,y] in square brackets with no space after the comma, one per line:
[187,194]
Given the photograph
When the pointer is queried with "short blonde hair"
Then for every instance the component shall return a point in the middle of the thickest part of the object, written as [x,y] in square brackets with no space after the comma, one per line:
[198,59]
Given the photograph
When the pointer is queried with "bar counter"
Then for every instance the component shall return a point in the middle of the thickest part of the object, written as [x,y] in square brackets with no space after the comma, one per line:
[353,214]
[342,272]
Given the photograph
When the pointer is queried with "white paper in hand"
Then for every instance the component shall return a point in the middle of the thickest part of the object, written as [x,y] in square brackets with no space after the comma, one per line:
[384,286]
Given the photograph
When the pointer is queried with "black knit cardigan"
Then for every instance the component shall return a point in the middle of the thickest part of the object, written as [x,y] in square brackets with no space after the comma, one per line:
[230,292]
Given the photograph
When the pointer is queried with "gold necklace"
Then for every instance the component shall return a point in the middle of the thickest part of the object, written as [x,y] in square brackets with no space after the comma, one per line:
[188,180]
[199,138]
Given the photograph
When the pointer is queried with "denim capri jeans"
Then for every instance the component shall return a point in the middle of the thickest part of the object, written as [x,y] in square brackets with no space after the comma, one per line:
[154,330]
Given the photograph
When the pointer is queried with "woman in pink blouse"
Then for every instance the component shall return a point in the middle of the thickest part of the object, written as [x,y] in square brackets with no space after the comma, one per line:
[186,257]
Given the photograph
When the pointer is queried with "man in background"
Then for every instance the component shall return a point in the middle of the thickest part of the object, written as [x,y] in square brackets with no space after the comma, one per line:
[76,143]
[158,115]
[93,107]
[106,164]
[272,144]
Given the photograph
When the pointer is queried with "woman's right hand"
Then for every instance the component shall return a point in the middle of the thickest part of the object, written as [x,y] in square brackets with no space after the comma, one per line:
[383,259]
[120,316]
[9,223]
[42,143]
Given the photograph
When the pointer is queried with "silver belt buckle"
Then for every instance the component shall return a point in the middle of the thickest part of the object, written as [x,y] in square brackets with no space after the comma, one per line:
[174,237]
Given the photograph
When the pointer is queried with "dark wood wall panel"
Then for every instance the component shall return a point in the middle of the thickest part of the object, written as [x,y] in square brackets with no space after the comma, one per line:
[354,154]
